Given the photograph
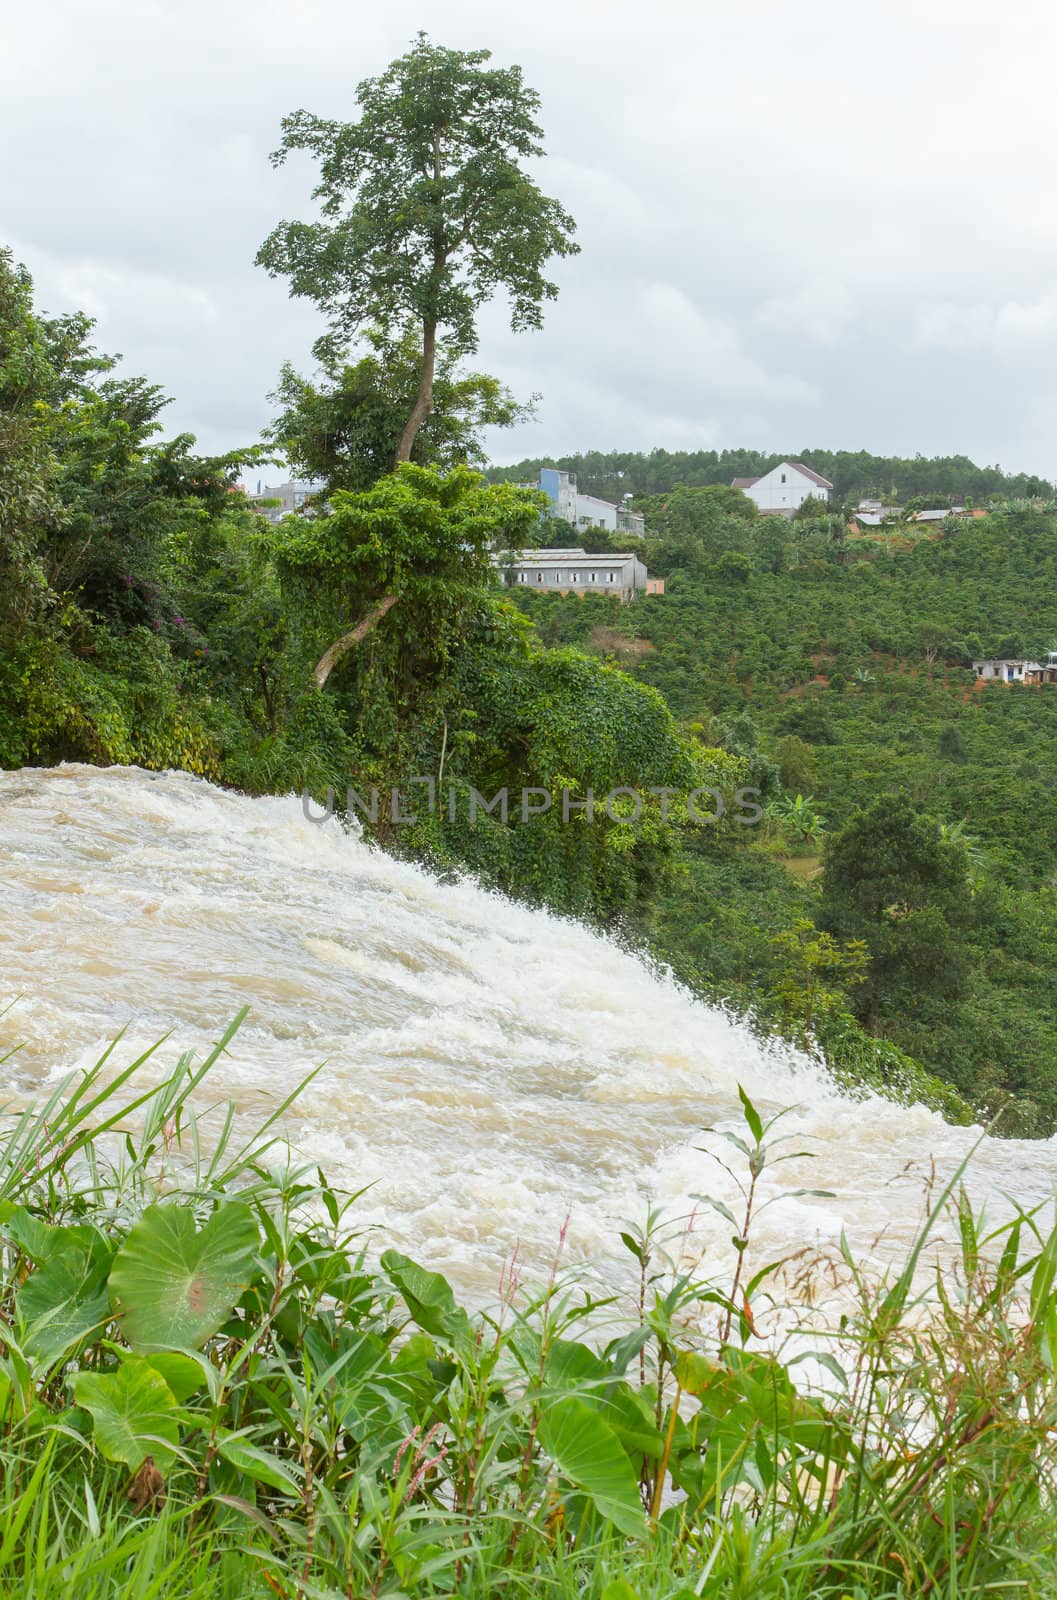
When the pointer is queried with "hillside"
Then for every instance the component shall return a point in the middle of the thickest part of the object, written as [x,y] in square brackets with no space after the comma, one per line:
[938,479]
[844,680]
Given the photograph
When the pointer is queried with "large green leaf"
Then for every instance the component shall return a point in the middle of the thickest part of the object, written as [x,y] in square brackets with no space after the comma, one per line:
[133,1412]
[574,1368]
[172,1284]
[258,1464]
[429,1296]
[62,1303]
[589,1453]
[182,1373]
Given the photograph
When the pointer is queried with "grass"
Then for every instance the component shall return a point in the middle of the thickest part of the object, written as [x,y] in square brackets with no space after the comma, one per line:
[208,1390]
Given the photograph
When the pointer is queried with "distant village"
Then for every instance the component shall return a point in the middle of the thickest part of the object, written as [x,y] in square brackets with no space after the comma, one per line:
[570,569]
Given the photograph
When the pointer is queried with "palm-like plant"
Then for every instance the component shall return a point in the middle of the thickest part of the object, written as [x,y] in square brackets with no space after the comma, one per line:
[797,817]
[956,833]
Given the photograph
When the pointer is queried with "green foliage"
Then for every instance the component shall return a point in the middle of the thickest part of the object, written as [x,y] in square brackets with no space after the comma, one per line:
[892,881]
[345,427]
[171,1284]
[350,1430]
[98,661]
[425,537]
[427,209]
[963,989]
[133,1413]
[810,958]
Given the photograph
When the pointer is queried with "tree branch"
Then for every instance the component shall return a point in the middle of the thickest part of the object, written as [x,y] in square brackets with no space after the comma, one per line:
[330,658]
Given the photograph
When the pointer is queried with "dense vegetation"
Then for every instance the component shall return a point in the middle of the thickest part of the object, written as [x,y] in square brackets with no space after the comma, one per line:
[208,1390]
[838,668]
[148,614]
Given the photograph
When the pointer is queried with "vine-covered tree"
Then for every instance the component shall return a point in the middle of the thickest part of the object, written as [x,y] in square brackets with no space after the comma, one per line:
[418,537]
[344,427]
[427,209]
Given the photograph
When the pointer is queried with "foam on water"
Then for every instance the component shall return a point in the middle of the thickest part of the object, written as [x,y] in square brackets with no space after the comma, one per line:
[487,1068]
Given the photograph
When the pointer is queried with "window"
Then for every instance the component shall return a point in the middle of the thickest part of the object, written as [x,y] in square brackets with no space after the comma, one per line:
[539,577]
[610,576]
[783,477]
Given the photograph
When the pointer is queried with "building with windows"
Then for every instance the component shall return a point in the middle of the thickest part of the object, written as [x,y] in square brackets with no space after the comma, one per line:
[575,572]
[1007,669]
[784,489]
[587,510]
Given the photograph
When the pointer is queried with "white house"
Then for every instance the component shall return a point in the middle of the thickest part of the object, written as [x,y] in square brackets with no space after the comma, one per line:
[1004,669]
[785,488]
[575,572]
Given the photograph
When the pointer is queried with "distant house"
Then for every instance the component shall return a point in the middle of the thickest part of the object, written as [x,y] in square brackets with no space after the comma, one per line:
[784,489]
[941,513]
[575,572]
[286,497]
[1008,669]
[873,513]
[587,510]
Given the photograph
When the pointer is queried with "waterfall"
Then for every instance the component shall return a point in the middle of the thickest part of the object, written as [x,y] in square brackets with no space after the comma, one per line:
[486,1069]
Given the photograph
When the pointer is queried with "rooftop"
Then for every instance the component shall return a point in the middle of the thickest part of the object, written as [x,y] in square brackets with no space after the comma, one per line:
[541,557]
[797,466]
[809,472]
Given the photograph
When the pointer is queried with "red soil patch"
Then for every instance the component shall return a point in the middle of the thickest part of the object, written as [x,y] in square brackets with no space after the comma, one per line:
[618,644]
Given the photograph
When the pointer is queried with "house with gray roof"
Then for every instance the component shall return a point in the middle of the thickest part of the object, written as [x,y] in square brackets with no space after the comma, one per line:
[573,571]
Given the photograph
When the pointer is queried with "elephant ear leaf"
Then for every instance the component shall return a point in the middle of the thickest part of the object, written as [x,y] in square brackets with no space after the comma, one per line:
[175,1284]
[62,1303]
[588,1452]
[133,1412]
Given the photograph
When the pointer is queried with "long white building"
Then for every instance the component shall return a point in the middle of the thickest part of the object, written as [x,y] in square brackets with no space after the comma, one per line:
[575,572]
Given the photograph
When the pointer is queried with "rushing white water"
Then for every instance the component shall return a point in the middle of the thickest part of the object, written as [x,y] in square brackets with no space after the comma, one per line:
[487,1068]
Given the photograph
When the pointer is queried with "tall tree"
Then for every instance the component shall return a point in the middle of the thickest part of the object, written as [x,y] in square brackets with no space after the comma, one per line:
[427,210]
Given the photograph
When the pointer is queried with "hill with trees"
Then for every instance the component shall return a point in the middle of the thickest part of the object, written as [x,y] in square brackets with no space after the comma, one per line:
[838,667]
[854,473]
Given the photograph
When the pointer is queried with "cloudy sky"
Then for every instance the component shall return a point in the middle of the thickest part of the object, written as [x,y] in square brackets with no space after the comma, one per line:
[815,224]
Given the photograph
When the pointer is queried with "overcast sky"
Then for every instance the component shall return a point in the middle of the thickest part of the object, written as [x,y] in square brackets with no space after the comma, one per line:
[813,224]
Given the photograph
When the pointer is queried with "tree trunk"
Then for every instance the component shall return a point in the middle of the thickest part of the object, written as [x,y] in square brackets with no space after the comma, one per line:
[330,658]
[424,400]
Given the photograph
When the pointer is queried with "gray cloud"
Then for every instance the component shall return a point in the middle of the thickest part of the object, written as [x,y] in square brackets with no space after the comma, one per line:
[814,224]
